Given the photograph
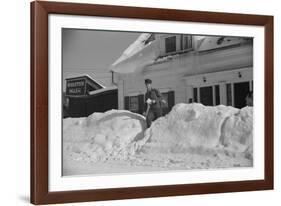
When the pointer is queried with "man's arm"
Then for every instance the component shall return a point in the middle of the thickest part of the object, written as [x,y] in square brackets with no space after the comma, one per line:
[159,95]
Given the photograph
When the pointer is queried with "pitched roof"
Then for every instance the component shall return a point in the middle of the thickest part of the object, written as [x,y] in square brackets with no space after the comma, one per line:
[91,80]
[136,56]
[144,52]
[103,90]
[135,47]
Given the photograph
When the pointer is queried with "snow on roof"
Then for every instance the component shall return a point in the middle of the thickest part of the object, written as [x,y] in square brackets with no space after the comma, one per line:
[214,42]
[136,56]
[135,47]
[102,90]
[143,52]
[85,75]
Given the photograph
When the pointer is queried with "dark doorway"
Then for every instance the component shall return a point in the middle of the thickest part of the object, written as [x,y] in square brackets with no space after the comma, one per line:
[240,91]
[206,96]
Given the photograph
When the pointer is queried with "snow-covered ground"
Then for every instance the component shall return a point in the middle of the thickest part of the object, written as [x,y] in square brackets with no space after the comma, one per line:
[191,136]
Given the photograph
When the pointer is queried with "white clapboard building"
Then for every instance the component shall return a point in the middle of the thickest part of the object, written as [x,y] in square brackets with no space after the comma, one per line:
[185,68]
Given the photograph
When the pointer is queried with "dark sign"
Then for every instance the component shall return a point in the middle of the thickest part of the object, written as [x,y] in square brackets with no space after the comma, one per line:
[75,87]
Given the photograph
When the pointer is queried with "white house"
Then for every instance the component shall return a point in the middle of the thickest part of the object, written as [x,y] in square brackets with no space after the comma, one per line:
[185,68]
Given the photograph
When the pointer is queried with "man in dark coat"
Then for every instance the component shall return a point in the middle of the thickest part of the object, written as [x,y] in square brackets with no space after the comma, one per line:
[153,100]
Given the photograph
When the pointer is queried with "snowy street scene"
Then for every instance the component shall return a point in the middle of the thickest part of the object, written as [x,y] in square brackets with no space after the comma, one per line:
[191,136]
[150,102]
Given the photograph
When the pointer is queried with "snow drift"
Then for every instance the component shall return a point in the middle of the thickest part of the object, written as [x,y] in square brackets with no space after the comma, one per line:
[195,125]
[102,135]
[187,129]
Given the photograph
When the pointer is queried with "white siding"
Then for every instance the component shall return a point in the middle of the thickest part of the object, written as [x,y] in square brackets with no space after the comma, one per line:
[172,74]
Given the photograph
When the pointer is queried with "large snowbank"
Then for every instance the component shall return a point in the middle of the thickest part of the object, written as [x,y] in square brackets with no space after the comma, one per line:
[190,136]
[102,135]
[195,125]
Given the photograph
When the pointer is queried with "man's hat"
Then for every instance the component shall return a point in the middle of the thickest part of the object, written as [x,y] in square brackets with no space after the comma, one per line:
[147,81]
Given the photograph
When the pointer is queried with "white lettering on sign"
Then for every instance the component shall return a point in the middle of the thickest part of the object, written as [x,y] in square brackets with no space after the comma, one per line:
[75,84]
[74,91]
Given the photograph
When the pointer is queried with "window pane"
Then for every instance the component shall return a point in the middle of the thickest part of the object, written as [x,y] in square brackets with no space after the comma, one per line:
[206,96]
[187,42]
[228,95]
[134,103]
[169,98]
[195,98]
[165,97]
[217,90]
[241,90]
[170,44]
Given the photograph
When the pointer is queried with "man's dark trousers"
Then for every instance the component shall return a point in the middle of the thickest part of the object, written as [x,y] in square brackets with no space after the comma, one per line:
[153,114]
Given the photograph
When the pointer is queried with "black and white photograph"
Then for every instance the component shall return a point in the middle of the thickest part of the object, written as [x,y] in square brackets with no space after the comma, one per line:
[140,102]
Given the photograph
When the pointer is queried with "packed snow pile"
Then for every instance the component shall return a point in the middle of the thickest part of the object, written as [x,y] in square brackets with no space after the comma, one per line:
[102,135]
[195,125]
[191,136]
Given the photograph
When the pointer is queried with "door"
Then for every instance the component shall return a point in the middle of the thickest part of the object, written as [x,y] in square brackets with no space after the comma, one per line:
[241,89]
[206,96]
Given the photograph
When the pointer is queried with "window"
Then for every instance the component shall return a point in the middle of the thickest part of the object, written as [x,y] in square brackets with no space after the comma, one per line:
[165,96]
[134,103]
[217,93]
[195,98]
[228,95]
[170,44]
[165,108]
[206,95]
[240,91]
[169,97]
[186,42]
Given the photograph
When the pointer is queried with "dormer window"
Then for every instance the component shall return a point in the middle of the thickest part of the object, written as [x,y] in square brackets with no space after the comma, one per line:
[176,44]
[170,44]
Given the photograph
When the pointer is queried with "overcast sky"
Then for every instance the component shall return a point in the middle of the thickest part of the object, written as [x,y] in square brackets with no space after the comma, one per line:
[92,52]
